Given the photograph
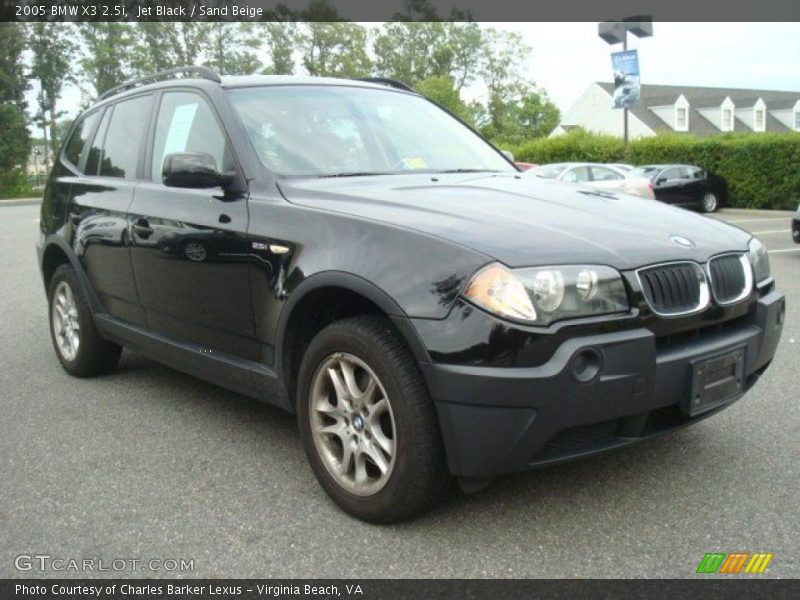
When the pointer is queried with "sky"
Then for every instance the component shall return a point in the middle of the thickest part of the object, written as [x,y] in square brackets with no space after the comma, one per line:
[567,57]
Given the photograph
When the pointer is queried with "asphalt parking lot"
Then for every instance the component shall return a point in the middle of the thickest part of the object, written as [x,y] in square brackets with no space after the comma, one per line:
[150,463]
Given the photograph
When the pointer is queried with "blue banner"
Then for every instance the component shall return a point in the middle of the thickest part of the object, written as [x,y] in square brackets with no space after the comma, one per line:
[626,78]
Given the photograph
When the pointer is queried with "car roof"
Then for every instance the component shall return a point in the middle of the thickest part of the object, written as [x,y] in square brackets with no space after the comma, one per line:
[240,81]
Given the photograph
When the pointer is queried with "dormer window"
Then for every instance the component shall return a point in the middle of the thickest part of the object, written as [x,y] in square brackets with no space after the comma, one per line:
[726,114]
[760,116]
[759,120]
[727,119]
[680,119]
[681,114]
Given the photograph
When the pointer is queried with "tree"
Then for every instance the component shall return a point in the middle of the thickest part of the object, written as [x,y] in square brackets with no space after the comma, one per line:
[442,90]
[15,142]
[335,49]
[52,46]
[411,52]
[465,42]
[281,39]
[230,48]
[519,112]
[158,46]
[106,57]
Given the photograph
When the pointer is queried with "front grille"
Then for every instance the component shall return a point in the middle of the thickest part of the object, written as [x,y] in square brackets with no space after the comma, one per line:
[731,278]
[675,288]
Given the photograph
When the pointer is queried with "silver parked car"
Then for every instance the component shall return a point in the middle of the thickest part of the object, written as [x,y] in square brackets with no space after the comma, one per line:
[609,177]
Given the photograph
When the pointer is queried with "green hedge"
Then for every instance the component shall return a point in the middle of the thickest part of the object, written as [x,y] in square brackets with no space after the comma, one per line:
[762,169]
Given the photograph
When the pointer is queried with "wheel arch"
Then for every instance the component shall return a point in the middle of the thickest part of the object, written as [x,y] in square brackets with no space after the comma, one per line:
[56,252]
[347,295]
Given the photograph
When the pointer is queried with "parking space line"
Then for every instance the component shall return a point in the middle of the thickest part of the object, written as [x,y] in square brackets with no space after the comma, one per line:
[771,231]
[784,250]
[756,219]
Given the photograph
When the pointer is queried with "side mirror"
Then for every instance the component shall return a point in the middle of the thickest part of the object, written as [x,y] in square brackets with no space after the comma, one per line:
[193,170]
[661,180]
[508,155]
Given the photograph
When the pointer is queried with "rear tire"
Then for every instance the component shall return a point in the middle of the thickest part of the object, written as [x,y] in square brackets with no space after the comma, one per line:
[710,202]
[382,469]
[78,345]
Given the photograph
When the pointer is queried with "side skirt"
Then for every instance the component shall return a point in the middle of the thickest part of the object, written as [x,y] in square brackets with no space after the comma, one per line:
[236,374]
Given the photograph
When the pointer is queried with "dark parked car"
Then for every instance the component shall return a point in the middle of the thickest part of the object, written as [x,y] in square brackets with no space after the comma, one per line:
[685,185]
[423,309]
[796,226]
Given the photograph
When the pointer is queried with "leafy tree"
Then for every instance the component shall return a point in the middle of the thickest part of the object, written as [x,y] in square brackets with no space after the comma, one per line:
[519,112]
[159,46]
[442,90]
[281,37]
[106,58]
[52,46]
[335,49]
[465,42]
[230,48]
[15,143]
[411,52]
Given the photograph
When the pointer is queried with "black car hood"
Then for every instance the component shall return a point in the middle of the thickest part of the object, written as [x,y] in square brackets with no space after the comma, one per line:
[524,221]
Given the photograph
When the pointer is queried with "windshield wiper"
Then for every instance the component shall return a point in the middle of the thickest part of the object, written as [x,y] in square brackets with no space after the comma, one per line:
[353,174]
[469,171]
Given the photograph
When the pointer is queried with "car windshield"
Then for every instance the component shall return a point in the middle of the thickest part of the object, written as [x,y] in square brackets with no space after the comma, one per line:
[330,131]
[548,171]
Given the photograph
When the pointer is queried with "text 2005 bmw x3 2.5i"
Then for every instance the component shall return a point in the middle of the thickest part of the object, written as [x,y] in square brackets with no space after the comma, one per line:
[352,253]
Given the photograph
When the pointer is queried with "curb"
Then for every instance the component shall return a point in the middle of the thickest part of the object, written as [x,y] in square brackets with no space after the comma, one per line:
[20,201]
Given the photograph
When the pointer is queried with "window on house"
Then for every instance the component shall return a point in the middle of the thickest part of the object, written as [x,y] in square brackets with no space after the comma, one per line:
[727,119]
[680,119]
[759,120]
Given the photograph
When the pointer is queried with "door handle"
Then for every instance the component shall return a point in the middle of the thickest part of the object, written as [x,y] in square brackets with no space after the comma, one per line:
[142,228]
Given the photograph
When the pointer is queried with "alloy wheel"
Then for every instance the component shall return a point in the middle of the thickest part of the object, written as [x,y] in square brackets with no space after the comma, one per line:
[66,323]
[352,424]
[709,202]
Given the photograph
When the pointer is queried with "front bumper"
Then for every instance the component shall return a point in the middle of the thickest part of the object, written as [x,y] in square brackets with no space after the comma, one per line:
[498,420]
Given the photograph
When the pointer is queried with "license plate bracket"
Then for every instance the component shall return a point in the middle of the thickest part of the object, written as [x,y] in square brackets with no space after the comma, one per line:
[716,380]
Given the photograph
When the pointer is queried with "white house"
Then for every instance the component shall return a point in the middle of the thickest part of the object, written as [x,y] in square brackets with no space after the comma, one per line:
[698,110]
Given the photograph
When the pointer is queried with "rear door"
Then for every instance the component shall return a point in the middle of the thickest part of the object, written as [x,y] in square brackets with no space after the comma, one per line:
[99,200]
[190,250]
[606,178]
[670,186]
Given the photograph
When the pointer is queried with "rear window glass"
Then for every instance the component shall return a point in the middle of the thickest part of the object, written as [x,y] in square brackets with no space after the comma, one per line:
[124,137]
[78,139]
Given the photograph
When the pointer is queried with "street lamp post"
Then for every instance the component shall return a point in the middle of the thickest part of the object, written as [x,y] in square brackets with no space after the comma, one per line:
[614,32]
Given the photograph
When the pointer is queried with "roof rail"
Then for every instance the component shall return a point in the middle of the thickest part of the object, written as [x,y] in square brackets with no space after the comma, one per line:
[203,72]
[388,82]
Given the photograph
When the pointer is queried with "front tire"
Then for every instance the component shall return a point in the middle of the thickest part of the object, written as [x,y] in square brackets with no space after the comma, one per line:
[367,422]
[78,345]
[710,202]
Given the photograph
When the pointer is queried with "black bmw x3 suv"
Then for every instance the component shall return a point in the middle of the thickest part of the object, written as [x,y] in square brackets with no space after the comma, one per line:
[352,253]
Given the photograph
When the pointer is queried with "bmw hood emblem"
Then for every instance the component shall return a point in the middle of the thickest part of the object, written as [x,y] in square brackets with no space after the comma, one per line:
[681,241]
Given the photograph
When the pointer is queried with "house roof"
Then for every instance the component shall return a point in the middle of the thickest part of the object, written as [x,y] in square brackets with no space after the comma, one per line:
[706,97]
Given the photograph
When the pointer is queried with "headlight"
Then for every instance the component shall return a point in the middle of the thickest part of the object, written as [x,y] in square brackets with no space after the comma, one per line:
[543,295]
[759,258]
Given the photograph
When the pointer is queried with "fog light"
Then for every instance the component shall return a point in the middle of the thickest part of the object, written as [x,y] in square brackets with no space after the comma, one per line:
[586,365]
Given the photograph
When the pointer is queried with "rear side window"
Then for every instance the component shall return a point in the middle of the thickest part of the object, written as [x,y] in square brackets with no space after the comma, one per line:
[603,174]
[186,123]
[576,175]
[80,135]
[96,149]
[123,140]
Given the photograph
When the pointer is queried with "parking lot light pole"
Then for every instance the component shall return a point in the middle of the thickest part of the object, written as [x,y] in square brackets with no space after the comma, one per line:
[614,32]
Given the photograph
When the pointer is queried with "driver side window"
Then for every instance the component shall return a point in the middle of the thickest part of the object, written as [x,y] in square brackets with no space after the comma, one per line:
[186,123]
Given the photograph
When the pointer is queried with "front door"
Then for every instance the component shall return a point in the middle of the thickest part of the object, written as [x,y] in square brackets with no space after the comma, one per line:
[190,250]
